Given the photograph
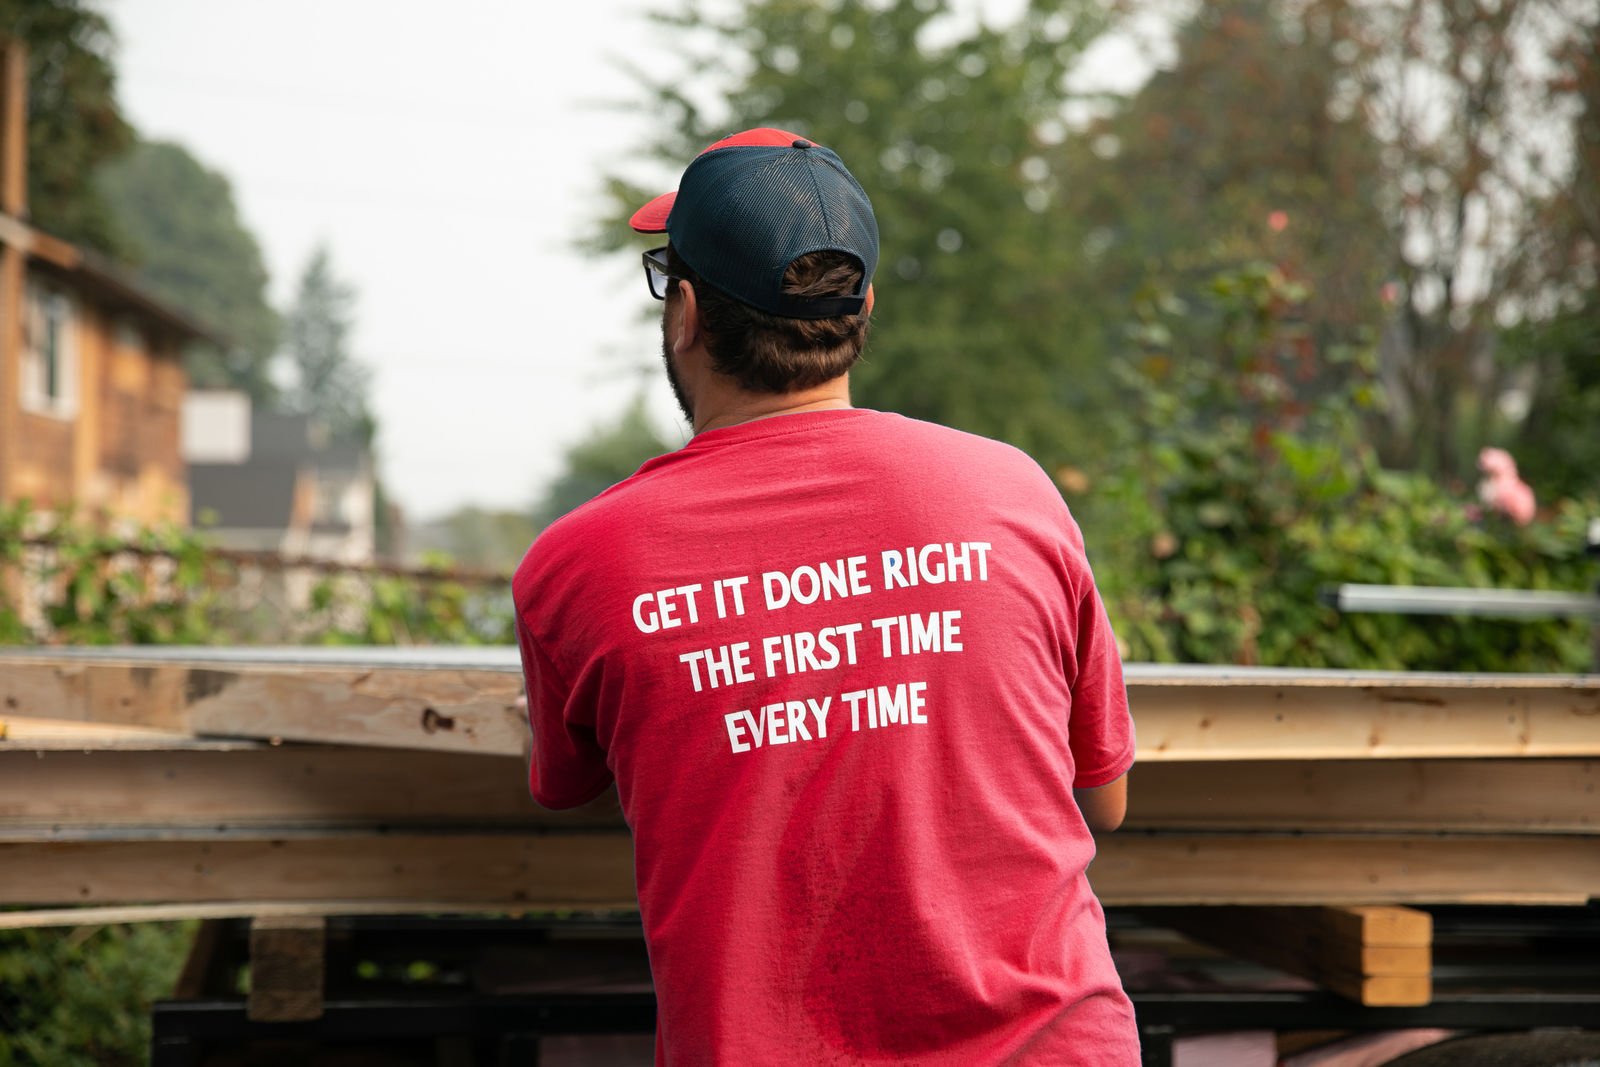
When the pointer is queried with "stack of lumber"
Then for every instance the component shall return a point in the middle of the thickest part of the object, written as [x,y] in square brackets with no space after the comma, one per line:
[213,782]
[1378,955]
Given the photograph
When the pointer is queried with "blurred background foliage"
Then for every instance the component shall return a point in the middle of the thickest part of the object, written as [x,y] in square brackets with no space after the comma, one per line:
[66,580]
[80,997]
[1252,484]
[1255,280]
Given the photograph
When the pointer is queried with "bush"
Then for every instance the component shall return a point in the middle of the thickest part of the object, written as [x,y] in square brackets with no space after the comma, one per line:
[81,997]
[64,581]
[1244,485]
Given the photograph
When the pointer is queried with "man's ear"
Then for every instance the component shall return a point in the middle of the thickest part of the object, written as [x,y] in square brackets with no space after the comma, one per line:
[867,307]
[689,329]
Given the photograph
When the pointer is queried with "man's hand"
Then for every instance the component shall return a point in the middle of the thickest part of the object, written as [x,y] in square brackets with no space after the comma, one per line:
[1104,807]
[521,704]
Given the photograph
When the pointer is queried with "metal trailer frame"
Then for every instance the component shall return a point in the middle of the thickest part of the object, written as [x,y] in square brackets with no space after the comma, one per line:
[514,1025]
[1550,979]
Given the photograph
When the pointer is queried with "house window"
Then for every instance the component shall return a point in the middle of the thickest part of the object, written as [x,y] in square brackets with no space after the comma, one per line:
[49,366]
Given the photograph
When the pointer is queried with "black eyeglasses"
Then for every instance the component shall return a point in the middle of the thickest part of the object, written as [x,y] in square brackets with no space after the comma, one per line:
[656,274]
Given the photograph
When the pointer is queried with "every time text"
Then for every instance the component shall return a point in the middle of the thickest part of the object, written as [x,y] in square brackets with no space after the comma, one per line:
[789,721]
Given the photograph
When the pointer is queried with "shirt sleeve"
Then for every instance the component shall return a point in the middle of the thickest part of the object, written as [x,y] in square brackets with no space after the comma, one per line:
[568,766]
[1100,731]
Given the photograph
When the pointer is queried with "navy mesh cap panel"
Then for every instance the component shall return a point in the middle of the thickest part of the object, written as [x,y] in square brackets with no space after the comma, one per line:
[743,214]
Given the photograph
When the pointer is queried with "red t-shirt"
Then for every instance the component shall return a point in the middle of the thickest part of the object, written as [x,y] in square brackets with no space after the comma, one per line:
[846,669]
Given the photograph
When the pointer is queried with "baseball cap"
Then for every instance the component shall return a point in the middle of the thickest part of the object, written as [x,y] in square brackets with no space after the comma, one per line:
[753,203]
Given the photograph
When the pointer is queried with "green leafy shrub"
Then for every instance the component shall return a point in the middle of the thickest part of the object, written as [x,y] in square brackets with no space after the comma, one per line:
[1244,485]
[81,997]
[73,583]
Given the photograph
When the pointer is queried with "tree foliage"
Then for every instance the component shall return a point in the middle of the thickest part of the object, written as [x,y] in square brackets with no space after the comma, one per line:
[484,537]
[1479,106]
[1227,156]
[330,385]
[607,456]
[1558,360]
[1557,443]
[195,252]
[74,121]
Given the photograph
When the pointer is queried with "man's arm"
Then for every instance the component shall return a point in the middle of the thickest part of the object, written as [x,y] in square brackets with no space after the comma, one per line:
[566,766]
[1104,806]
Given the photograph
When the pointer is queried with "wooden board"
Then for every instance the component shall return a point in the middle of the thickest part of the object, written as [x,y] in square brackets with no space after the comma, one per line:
[1205,868]
[521,871]
[1469,795]
[168,784]
[211,912]
[594,869]
[446,700]
[29,735]
[1307,931]
[287,957]
[266,786]
[1341,721]
[442,710]
[1383,990]
[1369,926]
[1326,945]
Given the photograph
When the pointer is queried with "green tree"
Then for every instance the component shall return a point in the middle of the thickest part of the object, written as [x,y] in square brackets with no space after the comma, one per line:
[1555,442]
[74,121]
[981,316]
[1428,167]
[610,454]
[1479,107]
[330,386]
[196,252]
[480,537]
[1230,155]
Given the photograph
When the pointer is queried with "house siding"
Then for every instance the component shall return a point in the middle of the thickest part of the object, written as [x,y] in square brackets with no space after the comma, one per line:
[118,453]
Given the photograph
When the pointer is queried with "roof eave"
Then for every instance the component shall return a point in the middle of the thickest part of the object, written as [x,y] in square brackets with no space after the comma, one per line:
[101,276]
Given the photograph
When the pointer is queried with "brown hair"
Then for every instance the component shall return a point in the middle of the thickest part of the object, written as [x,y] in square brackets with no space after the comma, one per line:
[770,354]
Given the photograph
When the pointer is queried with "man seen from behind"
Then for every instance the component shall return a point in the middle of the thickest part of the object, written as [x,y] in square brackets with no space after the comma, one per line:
[848,671]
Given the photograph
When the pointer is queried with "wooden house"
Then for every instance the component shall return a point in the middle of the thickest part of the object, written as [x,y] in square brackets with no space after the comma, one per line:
[91,374]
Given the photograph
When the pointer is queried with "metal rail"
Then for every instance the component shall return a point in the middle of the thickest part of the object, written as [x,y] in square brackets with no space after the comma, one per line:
[1479,603]
[504,658]
[507,1027]
[182,1030]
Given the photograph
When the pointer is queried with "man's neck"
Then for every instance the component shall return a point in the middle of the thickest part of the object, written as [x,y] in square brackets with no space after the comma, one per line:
[735,406]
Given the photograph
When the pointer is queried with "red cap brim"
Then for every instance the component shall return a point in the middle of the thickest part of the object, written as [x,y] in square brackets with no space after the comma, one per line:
[652,218]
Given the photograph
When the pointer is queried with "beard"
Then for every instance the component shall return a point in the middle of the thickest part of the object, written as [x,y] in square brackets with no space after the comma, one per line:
[672,376]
